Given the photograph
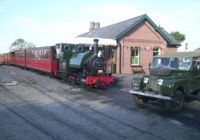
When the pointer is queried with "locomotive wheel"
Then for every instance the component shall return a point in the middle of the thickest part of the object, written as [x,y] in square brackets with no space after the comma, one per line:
[177,102]
[98,84]
[139,100]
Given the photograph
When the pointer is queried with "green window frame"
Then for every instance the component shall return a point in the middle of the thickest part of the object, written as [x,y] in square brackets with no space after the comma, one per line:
[135,55]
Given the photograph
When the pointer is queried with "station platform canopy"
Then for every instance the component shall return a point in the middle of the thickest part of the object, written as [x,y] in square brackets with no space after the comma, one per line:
[86,40]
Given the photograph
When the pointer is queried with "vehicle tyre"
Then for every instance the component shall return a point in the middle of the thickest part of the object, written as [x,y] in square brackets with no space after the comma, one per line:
[198,96]
[139,100]
[177,102]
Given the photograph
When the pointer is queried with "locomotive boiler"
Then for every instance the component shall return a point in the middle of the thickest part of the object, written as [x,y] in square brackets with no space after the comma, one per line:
[88,61]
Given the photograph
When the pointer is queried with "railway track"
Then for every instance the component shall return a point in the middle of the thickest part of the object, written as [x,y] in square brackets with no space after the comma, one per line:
[91,107]
[92,111]
[78,127]
[127,103]
[43,114]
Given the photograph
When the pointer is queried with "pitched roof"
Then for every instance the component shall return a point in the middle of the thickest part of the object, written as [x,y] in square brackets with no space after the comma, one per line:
[173,41]
[111,31]
[118,30]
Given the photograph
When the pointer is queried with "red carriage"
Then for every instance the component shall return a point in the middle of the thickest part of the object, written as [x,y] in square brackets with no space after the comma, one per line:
[20,58]
[2,58]
[42,58]
[9,58]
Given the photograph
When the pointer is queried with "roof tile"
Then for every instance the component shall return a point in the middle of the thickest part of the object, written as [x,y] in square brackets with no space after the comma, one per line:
[115,31]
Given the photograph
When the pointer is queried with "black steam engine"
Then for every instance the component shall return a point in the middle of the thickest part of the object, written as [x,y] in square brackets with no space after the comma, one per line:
[83,65]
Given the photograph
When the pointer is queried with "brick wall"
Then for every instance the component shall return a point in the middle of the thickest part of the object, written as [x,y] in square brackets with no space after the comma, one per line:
[145,37]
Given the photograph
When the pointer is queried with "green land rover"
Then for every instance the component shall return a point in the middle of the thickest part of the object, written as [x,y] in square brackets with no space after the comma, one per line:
[173,80]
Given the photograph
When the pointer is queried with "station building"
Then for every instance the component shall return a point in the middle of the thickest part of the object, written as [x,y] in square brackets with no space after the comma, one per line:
[129,45]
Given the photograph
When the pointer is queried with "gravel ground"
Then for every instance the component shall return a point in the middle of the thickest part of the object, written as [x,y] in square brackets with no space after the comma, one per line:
[35,106]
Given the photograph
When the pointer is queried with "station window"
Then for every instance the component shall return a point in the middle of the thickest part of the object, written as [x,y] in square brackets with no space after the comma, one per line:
[156,51]
[135,56]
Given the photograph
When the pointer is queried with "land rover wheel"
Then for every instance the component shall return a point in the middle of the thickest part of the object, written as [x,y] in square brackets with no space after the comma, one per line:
[139,100]
[177,102]
[198,96]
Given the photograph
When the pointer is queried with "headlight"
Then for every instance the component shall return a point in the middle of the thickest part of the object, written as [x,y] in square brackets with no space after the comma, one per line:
[160,82]
[64,65]
[145,80]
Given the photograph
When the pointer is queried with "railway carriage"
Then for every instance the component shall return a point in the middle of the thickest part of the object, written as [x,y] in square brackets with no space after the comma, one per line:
[42,59]
[2,58]
[20,58]
[10,58]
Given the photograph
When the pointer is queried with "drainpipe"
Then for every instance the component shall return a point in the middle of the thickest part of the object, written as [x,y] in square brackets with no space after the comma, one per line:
[119,45]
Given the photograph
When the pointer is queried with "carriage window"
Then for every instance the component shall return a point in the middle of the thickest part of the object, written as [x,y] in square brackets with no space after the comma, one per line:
[45,54]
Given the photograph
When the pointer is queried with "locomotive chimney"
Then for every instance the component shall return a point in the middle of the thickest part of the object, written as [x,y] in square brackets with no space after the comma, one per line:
[96,46]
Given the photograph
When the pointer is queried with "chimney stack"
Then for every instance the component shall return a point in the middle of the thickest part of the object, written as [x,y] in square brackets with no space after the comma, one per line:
[94,25]
[97,25]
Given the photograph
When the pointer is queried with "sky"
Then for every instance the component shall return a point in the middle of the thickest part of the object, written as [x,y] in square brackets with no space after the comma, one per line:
[47,22]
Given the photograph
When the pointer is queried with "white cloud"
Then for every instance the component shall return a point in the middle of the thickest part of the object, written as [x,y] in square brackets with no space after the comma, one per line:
[43,32]
[186,21]
[3,5]
[47,33]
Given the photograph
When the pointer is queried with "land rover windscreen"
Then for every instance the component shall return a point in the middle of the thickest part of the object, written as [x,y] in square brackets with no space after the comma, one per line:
[171,63]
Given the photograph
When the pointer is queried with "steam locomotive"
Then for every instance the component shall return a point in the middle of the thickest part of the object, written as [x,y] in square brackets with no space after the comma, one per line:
[79,64]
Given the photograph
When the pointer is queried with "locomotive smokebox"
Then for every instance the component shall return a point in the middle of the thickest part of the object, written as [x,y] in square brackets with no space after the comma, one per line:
[96,46]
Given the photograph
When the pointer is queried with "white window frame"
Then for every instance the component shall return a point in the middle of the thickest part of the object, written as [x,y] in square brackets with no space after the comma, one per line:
[136,56]
[157,51]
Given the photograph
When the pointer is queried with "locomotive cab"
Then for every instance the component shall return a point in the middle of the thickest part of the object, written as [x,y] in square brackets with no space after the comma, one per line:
[63,54]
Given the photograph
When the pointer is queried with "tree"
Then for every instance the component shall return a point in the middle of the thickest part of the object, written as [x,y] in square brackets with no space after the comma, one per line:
[197,50]
[178,36]
[20,43]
